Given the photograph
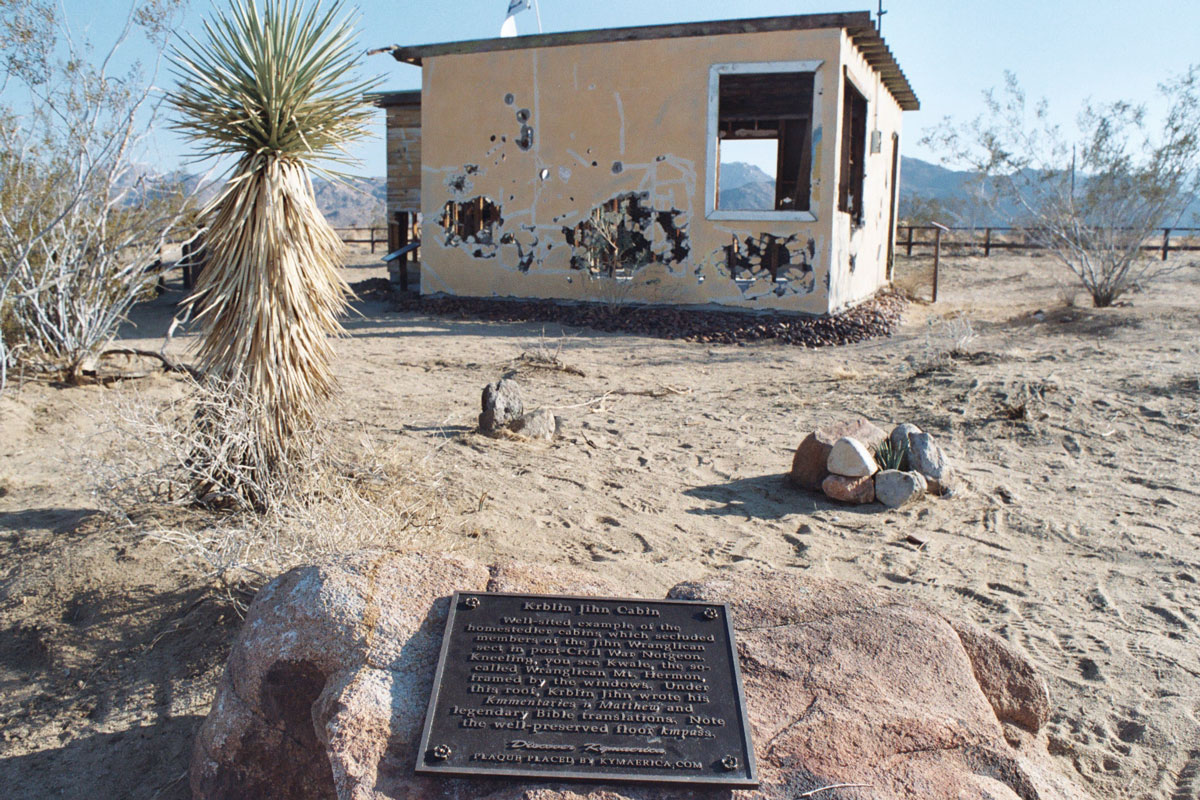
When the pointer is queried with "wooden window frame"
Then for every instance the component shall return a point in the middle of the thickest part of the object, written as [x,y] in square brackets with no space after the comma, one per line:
[711,210]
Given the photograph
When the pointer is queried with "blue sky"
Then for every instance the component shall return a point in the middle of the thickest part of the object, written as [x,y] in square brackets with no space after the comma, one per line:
[951,50]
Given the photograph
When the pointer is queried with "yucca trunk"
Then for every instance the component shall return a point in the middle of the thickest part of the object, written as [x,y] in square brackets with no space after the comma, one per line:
[271,295]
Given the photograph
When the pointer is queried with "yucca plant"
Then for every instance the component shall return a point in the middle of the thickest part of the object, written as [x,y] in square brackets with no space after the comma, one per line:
[891,456]
[274,88]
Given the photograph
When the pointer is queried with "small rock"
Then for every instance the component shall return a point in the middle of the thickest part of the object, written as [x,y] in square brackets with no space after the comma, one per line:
[809,465]
[900,433]
[501,404]
[540,424]
[849,490]
[894,488]
[1006,494]
[849,457]
[925,457]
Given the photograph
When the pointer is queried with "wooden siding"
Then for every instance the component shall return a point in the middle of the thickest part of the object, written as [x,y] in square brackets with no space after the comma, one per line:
[403,159]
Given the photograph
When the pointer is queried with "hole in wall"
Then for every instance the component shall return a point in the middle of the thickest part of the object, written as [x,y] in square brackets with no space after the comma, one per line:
[625,234]
[526,140]
[776,259]
[471,224]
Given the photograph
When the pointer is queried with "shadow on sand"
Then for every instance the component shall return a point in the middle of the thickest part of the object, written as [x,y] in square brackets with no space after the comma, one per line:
[766,497]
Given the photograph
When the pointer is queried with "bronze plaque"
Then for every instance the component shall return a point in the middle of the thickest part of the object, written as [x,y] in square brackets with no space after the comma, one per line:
[588,688]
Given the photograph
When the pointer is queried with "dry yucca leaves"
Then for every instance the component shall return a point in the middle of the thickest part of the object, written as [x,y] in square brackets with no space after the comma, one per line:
[274,87]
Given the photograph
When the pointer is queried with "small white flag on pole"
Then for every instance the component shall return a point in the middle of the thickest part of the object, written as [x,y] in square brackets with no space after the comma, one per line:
[509,28]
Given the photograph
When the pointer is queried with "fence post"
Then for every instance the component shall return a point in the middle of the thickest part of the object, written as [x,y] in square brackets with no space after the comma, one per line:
[372,239]
[937,255]
[402,240]
[987,242]
[908,242]
[1166,243]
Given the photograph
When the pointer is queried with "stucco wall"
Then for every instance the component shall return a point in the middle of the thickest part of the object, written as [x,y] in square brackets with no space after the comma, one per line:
[859,253]
[549,134]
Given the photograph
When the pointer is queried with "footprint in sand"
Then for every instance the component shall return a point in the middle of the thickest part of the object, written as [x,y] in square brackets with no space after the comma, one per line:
[1089,670]
[797,543]
[1168,615]
[985,601]
[1187,780]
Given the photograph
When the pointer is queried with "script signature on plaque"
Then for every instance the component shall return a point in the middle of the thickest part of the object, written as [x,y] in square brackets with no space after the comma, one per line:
[588,688]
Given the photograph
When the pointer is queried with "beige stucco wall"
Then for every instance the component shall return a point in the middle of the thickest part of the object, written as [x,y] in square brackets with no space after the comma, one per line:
[865,246]
[613,118]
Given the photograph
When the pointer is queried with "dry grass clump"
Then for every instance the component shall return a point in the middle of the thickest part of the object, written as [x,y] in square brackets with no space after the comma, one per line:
[335,495]
[539,355]
[947,338]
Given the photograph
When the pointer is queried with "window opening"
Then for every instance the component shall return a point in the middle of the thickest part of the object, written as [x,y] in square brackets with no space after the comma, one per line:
[854,149]
[764,120]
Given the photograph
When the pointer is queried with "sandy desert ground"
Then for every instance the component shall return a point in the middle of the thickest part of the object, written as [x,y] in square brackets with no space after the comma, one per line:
[1076,534]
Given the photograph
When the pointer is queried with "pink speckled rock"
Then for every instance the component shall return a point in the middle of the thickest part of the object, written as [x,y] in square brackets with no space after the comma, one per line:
[325,691]
[849,490]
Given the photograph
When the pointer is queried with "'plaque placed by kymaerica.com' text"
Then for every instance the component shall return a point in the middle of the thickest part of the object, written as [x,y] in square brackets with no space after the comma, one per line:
[588,688]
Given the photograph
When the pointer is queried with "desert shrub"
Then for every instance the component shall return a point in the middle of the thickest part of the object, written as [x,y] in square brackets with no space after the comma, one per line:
[1092,200]
[948,337]
[81,225]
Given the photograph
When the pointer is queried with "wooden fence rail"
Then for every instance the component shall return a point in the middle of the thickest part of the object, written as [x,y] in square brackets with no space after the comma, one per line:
[375,235]
[1184,240]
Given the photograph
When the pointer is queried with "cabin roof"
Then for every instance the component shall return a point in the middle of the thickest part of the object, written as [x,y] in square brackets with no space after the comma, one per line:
[858,26]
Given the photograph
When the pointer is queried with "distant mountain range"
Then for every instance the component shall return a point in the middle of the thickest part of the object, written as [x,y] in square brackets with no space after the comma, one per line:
[925,189]
[927,192]
[745,187]
[361,202]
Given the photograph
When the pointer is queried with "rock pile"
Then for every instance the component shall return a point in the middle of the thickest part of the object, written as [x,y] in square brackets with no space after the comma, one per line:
[848,461]
[879,316]
[851,691]
[504,410]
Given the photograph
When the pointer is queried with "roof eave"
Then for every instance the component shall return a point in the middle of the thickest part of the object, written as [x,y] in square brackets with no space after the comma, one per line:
[858,25]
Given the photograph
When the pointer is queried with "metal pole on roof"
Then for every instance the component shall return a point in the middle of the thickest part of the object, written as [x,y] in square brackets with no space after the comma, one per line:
[879,18]
[537,10]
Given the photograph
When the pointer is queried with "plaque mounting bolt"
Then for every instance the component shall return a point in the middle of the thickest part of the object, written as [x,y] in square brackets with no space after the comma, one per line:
[711,613]
[442,751]
[730,762]
[471,602]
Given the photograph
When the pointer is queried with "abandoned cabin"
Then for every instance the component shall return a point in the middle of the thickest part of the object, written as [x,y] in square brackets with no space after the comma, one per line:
[588,165]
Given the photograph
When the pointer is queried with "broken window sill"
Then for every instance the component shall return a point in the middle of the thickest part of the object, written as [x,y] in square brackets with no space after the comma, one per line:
[762,214]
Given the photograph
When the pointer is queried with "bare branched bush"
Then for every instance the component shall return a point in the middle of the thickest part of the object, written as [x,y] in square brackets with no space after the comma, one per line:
[337,496]
[81,226]
[1091,200]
